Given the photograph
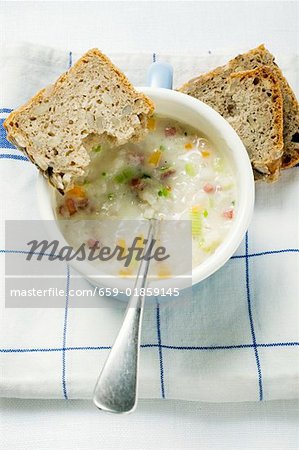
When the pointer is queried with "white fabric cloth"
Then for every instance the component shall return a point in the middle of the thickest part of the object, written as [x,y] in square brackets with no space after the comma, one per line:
[156,424]
[236,339]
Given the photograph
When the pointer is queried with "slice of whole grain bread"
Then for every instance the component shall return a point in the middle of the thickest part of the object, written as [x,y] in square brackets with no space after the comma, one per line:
[257,117]
[91,104]
[261,56]
[251,101]
[253,59]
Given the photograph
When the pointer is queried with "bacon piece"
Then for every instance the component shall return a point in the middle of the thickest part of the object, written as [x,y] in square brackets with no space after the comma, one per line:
[93,243]
[137,183]
[228,214]
[209,188]
[63,211]
[167,174]
[81,203]
[70,204]
[170,131]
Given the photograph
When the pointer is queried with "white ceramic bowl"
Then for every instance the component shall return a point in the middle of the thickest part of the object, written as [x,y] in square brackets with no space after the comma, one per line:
[200,116]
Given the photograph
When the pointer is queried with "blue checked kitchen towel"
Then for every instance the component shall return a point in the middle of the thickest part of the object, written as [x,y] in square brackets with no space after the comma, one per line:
[235,339]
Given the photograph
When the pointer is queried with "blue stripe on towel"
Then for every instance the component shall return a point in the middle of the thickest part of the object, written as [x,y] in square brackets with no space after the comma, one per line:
[4,143]
[10,156]
[64,385]
[247,273]
[5,110]
[160,350]
[252,255]
[70,59]
[64,388]
[169,347]
[269,252]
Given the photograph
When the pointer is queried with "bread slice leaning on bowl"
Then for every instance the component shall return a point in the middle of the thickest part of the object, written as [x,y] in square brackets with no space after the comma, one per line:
[251,102]
[90,105]
[258,57]
[212,88]
[257,117]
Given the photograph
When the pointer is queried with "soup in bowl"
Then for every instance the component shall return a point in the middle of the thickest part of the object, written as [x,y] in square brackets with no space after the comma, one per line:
[191,166]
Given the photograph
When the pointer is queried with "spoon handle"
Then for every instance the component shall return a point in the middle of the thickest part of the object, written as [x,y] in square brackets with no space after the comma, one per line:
[116,388]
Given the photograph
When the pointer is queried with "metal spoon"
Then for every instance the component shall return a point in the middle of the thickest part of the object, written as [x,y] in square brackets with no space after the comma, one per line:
[116,388]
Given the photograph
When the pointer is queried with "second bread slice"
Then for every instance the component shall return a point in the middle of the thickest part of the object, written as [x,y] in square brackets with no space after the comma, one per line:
[251,101]
[256,113]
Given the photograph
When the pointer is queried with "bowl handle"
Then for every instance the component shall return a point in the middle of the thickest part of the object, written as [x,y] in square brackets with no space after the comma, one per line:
[160,74]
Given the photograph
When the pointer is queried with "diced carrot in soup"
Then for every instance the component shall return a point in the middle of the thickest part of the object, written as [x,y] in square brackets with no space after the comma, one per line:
[76,191]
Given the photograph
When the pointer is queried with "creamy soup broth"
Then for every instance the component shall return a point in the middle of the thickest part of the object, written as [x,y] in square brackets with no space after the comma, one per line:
[175,173]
